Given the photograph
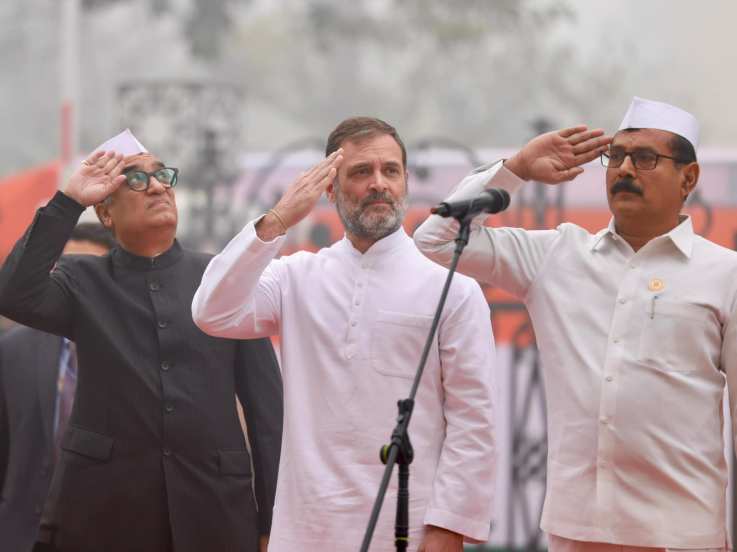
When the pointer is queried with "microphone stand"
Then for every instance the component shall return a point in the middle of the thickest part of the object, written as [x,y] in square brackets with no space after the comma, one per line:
[399,450]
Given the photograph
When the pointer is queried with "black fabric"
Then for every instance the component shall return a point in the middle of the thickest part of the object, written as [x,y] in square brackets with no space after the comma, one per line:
[29,369]
[154,413]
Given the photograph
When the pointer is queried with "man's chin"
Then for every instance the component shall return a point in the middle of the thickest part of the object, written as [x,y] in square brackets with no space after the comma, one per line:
[162,220]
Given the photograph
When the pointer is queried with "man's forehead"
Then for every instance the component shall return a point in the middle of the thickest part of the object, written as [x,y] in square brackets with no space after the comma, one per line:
[643,137]
[381,146]
[141,161]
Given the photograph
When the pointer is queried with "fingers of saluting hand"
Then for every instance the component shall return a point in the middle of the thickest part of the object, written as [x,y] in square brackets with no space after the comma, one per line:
[102,162]
[317,172]
[591,149]
[571,131]
[588,140]
[567,174]
[113,162]
[93,158]
[319,176]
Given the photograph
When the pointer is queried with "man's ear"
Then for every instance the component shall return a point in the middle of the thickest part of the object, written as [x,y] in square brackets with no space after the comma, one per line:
[102,210]
[690,179]
[330,190]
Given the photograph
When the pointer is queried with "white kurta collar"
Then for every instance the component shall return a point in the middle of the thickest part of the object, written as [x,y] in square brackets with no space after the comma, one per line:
[682,235]
[384,245]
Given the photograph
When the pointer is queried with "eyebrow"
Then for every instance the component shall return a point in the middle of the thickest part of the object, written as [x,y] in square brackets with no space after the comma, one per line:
[639,148]
[159,165]
[362,164]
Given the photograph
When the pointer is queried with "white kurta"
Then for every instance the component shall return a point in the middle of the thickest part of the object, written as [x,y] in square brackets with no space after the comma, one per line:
[635,348]
[352,328]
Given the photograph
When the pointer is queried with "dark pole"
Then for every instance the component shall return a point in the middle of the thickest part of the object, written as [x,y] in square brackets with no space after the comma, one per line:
[400,444]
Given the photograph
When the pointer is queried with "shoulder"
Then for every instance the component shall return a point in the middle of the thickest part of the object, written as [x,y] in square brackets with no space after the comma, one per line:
[714,251]
[463,286]
[82,263]
[196,258]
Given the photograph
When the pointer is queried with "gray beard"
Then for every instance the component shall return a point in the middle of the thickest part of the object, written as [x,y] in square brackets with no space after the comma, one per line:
[370,226]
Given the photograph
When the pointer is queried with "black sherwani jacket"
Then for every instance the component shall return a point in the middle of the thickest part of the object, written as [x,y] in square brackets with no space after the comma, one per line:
[154,449]
[29,371]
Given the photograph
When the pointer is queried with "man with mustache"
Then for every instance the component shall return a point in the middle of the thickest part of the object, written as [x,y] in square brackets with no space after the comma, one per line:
[353,319]
[637,329]
[153,458]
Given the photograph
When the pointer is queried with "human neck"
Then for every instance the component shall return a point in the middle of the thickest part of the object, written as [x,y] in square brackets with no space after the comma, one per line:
[637,233]
[361,244]
[149,244]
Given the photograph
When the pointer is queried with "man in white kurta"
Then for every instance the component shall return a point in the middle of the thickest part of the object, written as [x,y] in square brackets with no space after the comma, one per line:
[637,330]
[352,320]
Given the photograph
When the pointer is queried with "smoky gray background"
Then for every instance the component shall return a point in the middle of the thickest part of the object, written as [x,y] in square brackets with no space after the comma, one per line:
[481,72]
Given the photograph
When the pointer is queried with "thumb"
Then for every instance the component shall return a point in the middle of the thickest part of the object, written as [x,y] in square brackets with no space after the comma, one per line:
[569,174]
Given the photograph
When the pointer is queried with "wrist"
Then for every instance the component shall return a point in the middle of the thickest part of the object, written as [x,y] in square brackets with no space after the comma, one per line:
[270,227]
[516,165]
[71,195]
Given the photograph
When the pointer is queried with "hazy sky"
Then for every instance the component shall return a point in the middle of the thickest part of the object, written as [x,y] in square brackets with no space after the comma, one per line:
[683,52]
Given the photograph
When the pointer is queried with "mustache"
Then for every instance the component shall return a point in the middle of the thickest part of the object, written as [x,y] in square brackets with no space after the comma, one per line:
[626,185]
[378,196]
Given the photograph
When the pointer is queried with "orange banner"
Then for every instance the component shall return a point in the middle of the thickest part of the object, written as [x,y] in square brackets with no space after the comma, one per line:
[20,196]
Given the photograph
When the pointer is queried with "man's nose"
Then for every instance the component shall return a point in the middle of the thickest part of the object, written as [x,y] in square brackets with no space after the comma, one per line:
[627,167]
[155,186]
[378,181]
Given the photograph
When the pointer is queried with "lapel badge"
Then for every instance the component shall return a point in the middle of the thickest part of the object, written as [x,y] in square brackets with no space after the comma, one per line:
[656,284]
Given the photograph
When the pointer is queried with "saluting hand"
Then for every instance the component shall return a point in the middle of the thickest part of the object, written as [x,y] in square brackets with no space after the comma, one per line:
[300,198]
[96,178]
[556,156]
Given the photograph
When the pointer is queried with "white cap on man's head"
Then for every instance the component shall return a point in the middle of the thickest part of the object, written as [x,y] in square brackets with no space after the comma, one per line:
[124,143]
[644,113]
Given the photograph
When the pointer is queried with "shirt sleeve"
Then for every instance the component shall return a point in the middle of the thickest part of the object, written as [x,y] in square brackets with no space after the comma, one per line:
[259,389]
[32,291]
[462,495]
[239,296]
[729,365]
[508,258]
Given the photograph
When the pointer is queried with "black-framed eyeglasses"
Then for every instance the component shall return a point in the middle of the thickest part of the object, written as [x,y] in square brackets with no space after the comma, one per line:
[138,180]
[645,160]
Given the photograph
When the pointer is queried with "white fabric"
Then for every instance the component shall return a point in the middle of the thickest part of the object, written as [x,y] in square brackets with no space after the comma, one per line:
[644,113]
[634,384]
[352,327]
[124,143]
[561,544]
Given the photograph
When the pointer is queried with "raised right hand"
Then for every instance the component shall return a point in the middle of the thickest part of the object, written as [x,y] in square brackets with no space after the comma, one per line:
[300,198]
[557,156]
[96,178]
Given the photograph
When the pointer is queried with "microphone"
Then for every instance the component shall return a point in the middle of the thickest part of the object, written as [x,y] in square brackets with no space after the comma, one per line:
[492,201]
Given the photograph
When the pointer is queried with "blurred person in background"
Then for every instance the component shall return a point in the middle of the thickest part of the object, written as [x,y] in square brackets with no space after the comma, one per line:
[38,373]
[153,457]
[353,319]
[637,329]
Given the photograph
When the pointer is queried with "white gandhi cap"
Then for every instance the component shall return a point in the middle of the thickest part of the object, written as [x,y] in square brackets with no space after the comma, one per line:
[644,113]
[124,143]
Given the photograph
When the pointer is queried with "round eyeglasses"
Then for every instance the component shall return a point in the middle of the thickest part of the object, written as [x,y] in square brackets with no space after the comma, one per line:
[138,181]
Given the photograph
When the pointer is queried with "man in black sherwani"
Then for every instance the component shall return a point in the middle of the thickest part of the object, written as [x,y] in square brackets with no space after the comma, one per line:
[153,458]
